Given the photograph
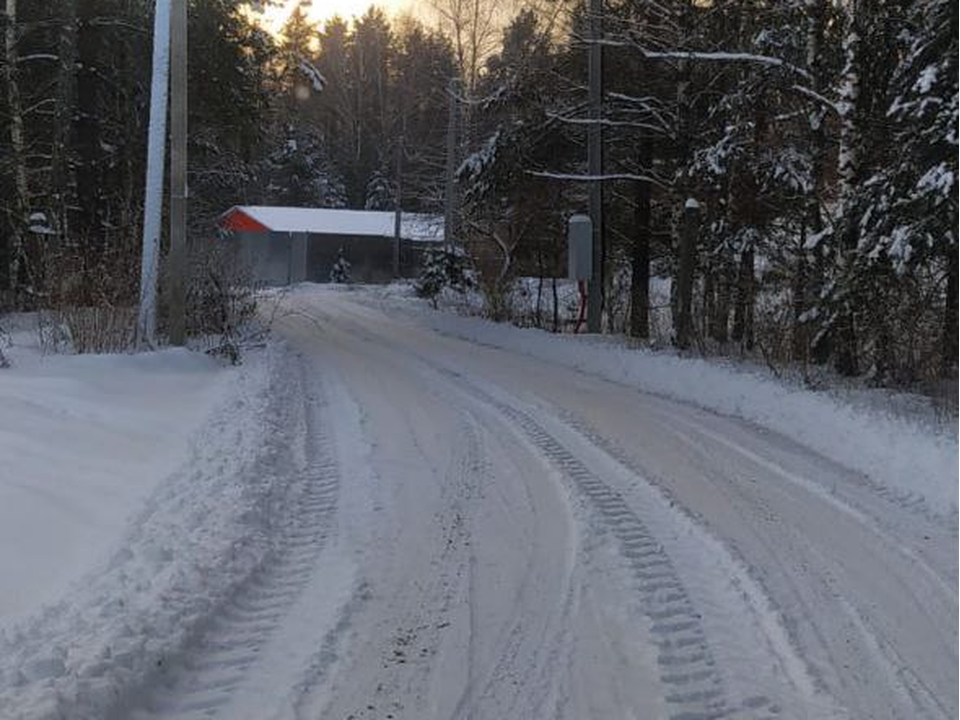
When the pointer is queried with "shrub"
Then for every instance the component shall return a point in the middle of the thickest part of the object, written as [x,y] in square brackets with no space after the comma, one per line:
[340,272]
[444,268]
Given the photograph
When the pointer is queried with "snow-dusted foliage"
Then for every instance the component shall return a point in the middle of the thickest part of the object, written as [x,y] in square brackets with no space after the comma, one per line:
[74,83]
[819,139]
[340,272]
[443,268]
[316,78]
[380,193]
[298,172]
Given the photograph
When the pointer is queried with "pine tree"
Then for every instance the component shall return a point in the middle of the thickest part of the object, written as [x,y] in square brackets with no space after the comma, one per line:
[380,195]
[340,272]
[908,207]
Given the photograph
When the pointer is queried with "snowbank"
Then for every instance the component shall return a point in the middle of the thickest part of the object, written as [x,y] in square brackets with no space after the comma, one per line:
[83,441]
[912,462]
[106,437]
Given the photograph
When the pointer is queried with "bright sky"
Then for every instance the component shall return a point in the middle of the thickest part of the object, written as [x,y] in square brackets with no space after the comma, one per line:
[320,10]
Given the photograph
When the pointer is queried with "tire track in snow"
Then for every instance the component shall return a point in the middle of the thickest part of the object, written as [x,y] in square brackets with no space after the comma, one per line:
[694,687]
[516,681]
[520,680]
[396,673]
[203,680]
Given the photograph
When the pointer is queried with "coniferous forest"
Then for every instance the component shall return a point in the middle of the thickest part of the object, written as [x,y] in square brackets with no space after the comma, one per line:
[817,137]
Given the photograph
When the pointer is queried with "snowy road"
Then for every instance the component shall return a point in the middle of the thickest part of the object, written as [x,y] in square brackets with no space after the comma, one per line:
[483,535]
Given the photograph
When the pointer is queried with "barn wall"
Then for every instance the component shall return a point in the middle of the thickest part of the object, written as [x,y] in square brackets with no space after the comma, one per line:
[370,258]
[279,259]
[267,258]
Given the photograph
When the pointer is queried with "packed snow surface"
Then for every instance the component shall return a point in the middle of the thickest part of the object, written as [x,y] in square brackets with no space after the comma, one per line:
[915,463]
[378,520]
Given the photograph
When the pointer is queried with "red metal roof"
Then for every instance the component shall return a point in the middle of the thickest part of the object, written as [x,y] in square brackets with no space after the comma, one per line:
[237,220]
[331,221]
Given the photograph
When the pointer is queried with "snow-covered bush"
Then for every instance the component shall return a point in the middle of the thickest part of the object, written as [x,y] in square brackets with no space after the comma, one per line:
[87,329]
[498,300]
[221,301]
[442,269]
[4,343]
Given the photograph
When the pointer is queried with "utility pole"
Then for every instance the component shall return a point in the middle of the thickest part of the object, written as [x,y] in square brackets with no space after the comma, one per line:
[153,200]
[398,207]
[178,172]
[595,165]
[450,192]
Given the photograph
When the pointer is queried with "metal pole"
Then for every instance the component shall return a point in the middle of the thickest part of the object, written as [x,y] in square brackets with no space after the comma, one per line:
[153,200]
[450,193]
[178,172]
[595,165]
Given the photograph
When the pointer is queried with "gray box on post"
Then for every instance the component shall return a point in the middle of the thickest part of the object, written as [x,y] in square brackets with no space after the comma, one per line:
[579,247]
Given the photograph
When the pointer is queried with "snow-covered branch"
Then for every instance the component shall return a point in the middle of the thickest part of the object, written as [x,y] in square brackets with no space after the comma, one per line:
[38,56]
[575,177]
[813,95]
[606,122]
[699,56]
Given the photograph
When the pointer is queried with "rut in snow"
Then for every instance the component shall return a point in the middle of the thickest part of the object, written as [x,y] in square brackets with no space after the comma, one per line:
[203,680]
[686,667]
[694,687]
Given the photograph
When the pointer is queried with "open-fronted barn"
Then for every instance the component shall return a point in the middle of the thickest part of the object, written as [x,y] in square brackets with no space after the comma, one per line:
[283,245]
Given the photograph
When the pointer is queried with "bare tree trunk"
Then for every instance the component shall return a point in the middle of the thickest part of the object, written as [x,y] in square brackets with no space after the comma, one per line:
[87,139]
[538,314]
[798,331]
[556,304]
[846,360]
[720,328]
[948,342]
[63,182]
[805,285]
[450,185]
[883,353]
[688,247]
[640,265]
[743,311]
[709,300]
[844,330]
[20,201]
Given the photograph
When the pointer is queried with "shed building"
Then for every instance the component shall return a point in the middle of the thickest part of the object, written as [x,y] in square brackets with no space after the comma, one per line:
[283,245]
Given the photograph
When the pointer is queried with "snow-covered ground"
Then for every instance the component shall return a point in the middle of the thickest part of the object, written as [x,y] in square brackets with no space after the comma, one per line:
[138,493]
[392,512]
[83,441]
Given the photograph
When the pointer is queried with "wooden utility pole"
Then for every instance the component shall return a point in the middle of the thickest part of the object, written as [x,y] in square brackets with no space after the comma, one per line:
[450,192]
[688,257]
[595,165]
[178,172]
[398,207]
[153,201]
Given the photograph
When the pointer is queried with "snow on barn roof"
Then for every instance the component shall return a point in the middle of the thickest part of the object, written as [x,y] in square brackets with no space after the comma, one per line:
[329,221]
